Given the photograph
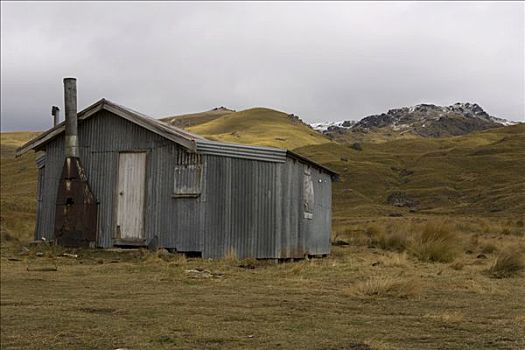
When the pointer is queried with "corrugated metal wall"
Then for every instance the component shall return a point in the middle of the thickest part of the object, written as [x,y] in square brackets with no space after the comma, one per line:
[318,230]
[40,192]
[242,207]
[255,209]
[53,169]
[302,236]
[249,207]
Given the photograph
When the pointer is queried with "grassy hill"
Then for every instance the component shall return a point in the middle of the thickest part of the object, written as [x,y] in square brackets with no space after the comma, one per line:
[187,120]
[477,174]
[258,126]
[18,178]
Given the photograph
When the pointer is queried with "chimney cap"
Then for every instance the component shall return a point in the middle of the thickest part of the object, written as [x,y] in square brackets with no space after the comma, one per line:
[69,78]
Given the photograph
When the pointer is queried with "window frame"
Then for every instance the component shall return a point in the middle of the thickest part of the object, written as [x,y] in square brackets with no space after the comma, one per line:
[188,163]
[179,192]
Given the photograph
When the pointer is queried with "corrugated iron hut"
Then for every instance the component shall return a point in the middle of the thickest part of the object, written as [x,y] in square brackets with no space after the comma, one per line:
[121,178]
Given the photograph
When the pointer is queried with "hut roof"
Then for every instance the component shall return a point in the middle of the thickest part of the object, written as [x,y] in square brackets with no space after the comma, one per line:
[192,142]
[180,136]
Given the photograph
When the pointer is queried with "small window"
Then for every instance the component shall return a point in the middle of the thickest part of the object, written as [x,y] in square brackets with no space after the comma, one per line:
[41,164]
[188,176]
[308,190]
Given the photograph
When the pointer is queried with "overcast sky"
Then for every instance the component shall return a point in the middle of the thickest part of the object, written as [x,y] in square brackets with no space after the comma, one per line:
[321,61]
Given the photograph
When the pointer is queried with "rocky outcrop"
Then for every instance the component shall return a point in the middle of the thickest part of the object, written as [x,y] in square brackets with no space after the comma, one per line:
[401,199]
[426,120]
[433,121]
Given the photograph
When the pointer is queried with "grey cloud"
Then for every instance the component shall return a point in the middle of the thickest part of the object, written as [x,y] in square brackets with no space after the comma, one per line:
[322,61]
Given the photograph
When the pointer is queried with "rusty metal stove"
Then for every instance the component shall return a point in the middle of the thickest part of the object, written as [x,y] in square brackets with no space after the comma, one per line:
[76,206]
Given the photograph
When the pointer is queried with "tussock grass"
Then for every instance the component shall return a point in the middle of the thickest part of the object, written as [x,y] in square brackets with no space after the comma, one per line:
[508,263]
[386,287]
[436,243]
[394,240]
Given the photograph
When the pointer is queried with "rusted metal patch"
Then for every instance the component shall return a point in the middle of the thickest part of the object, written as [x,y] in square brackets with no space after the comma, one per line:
[76,207]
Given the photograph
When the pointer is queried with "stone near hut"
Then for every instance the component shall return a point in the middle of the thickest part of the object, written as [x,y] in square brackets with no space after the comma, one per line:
[356,146]
[163,253]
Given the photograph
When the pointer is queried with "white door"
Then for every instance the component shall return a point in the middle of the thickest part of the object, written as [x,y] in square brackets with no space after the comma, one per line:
[131,191]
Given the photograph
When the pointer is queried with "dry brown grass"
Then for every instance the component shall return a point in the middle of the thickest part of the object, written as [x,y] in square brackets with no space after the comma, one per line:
[520,319]
[231,257]
[509,227]
[447,317]
[152,257]
[178,260]
[387,238]
[394,259]
[481,287]
[6,235]
[434,241]
[386,287]
[457,265]
[437,242]
[508,263]
[190,303]
[395,241]
[488,248]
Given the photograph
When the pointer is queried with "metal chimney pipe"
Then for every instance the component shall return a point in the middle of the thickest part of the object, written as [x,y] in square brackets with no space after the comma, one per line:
[55,112]
[70,105]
